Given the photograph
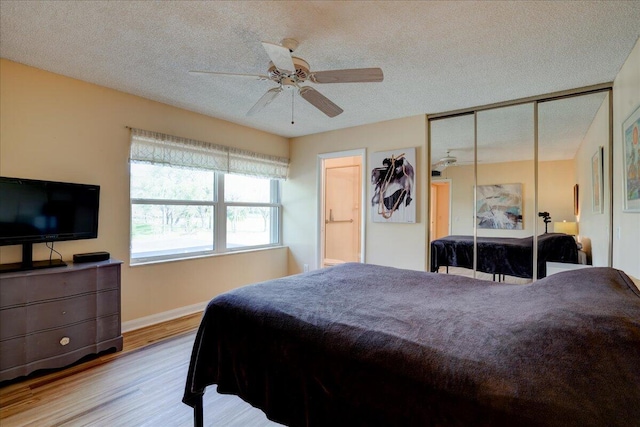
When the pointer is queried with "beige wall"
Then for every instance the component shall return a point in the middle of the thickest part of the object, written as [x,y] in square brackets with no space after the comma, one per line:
[594,227]
[555,191]
[626,225]
[555,194]
[57,128]
[400,245]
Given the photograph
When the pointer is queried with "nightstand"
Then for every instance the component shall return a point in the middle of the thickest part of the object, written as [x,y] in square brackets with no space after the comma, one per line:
[557,267]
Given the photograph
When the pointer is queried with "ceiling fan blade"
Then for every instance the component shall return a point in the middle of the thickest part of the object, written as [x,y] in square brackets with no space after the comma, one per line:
[354,75]
[320,101]
[280,56]
[440,167]
[265,100]
[255,76]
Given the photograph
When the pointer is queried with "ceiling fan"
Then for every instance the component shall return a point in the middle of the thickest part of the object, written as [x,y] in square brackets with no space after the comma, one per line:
[444,162]
[289,72]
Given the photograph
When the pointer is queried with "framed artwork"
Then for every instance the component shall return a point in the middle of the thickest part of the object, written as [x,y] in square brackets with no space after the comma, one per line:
[631,161]
[393,186]
[576,196]
[597,181]
[499,206]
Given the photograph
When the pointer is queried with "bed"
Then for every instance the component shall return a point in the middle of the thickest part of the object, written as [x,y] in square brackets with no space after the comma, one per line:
[366,345]
[504,255]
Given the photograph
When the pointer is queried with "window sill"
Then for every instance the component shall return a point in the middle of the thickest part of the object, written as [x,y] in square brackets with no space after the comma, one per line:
[194,257]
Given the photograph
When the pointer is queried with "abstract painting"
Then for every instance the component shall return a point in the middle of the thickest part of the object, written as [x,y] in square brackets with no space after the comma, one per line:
[499,206]
[631,141]
[393,186]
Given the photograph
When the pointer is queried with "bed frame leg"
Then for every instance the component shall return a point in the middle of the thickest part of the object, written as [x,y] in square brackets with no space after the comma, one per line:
[197,414]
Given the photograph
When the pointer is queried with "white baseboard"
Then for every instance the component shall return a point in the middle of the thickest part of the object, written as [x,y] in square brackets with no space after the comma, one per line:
[143,322]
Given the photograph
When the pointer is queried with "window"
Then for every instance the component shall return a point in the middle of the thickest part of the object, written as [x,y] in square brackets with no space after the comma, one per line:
[252,211]
[182,206]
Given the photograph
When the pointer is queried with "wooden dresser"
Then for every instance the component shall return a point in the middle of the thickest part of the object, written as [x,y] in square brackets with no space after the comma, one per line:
[53,317]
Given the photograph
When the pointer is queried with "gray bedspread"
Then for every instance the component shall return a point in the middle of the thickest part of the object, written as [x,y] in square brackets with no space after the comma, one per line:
[368,345]
[504,255]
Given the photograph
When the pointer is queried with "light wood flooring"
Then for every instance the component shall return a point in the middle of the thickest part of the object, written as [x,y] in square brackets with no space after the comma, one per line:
[140,386]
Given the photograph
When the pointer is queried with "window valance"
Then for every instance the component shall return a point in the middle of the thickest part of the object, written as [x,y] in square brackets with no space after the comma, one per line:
[159,148]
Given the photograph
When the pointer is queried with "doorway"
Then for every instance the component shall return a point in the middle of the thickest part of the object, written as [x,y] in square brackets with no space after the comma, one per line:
[341,218]
[440,209]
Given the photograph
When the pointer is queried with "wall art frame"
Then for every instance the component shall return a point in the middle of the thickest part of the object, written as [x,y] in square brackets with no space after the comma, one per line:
[631,161]
[499,206]
[393,186]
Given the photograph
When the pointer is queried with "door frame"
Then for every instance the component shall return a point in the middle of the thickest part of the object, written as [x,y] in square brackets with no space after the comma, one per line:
[362,153]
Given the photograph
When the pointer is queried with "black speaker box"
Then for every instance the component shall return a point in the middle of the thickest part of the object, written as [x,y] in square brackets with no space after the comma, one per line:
[91,257]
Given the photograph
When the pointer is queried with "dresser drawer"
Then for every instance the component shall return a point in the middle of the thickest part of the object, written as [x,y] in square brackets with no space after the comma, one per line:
[61,285]
[52,343]
[43,345]
[13,353]
[62,340]
[13,322]
[46,315]
[20,289]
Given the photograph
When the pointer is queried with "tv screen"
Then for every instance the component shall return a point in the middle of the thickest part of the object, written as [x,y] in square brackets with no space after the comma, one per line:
[33,211]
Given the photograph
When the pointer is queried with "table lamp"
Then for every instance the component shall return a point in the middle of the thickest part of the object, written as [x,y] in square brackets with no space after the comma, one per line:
[570,228]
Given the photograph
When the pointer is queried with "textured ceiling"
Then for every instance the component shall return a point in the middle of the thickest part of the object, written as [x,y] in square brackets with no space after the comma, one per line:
[436,56]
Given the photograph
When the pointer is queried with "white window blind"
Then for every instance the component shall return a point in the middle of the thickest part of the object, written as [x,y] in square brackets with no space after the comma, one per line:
[158,148]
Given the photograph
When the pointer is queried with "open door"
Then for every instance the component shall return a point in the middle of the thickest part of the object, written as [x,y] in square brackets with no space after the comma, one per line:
[342,210]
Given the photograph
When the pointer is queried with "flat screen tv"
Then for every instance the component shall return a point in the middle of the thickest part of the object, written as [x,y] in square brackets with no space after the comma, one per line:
[34,211]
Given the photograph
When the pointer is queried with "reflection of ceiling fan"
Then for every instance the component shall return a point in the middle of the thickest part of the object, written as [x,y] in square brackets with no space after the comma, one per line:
[290,71]
[444,162]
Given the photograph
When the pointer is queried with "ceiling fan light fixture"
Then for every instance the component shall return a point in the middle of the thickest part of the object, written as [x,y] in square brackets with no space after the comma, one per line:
[300,74]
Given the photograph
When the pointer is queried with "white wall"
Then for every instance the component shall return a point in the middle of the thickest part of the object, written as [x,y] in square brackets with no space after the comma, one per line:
[400,245]
[626,226]
[57,128]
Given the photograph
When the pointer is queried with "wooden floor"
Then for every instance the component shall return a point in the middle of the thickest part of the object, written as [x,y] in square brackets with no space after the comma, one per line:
[140,386]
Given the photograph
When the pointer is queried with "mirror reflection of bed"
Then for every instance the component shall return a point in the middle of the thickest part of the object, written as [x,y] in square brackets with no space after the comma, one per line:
[500,195]
[506,259]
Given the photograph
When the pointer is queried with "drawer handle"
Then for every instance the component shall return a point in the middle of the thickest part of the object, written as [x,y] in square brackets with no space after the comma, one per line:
[65,341]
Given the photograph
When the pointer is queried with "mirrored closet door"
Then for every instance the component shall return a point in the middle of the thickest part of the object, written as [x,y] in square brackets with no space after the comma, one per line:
[574,179]
[516,187]
[451,226]
[505,212]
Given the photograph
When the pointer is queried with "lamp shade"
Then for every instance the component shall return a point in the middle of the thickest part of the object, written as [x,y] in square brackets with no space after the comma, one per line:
[570,228]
